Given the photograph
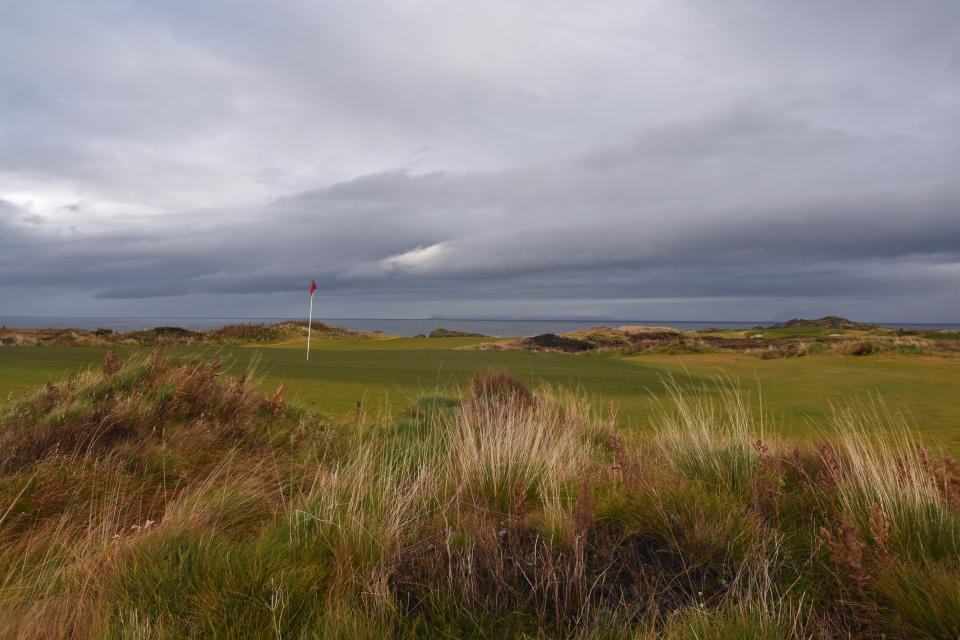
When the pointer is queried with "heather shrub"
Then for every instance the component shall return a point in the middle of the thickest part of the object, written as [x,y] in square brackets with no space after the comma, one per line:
[859,348]
[499,387]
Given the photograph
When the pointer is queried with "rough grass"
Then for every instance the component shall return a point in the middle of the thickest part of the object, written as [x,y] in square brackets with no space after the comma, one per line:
[158,498]
[233,334]
[769,343]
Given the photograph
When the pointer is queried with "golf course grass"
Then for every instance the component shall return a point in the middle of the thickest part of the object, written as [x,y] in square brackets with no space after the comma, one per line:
[388,374]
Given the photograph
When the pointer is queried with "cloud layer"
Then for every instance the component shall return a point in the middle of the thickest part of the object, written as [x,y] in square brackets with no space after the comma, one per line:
[648,160]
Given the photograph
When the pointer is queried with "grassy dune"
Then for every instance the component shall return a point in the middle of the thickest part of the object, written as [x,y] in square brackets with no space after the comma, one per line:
[164,498]
[232,334]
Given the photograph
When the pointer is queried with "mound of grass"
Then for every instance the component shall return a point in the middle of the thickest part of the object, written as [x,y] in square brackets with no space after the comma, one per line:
[953,336]
[859,348]
[795,338]
[553,342]
[828,322]
[499,387]
[234,334]
[799,331]
[160,498]
[447,333]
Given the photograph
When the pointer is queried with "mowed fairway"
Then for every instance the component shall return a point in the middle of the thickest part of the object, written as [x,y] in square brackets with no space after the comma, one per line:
[385,375]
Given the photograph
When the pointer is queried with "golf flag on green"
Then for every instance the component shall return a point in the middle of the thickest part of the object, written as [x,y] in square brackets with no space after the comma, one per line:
[313,287]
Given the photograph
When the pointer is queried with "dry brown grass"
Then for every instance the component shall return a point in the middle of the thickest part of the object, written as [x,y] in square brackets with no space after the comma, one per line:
[498,387]
[512,510]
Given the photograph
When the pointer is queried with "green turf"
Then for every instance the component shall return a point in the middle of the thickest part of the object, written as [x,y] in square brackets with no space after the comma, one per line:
[335,380]
[797,392]
[22,367]
[796,332]
[384,344]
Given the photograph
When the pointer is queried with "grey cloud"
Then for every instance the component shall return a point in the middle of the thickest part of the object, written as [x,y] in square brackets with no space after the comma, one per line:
[685,150]
[356,236]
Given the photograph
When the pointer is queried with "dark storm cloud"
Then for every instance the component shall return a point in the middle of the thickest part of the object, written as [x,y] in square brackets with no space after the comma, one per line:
[398,233]
[521,152]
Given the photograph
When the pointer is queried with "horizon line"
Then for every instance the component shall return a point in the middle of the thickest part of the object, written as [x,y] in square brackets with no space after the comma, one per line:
[463,319]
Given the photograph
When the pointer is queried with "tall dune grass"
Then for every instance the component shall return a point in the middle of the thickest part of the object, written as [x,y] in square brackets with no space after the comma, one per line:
[162,499]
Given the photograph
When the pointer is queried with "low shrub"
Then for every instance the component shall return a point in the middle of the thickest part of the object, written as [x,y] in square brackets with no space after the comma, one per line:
[859,348]
[499,386]
[813,349]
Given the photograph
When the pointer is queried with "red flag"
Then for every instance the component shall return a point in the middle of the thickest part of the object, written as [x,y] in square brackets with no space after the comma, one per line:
[313,286]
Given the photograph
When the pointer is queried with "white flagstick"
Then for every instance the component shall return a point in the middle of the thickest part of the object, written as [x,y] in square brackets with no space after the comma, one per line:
[309,325]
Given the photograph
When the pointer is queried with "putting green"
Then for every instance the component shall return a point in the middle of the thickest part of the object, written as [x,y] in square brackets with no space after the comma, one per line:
[387,374]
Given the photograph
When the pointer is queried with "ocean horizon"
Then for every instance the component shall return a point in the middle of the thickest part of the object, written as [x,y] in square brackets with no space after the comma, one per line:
[397,326]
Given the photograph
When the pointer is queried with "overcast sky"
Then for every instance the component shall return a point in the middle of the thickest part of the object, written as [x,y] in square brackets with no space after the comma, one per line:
[671,159]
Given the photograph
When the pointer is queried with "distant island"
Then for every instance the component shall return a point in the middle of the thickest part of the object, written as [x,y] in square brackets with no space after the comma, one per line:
[829,322]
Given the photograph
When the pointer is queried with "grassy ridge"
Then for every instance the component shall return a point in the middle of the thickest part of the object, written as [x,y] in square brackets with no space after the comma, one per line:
[232,334]
[796,338]
[160,498]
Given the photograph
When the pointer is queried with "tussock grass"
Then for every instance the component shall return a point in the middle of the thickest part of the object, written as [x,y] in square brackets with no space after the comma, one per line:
[162,499]
[767,344]
[234,334]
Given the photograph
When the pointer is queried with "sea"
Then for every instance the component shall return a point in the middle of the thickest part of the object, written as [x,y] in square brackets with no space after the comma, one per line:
[392,326]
